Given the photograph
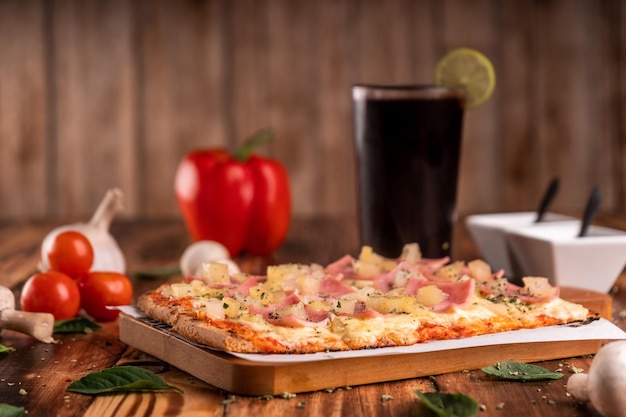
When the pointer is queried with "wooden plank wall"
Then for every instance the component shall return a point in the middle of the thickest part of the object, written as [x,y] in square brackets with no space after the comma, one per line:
[96,94]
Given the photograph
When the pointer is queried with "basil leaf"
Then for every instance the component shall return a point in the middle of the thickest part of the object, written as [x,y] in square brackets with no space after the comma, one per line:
[75,325]
[518,371]
[5,349]
[449,405]
[156,273]
[7,410]
[120,379]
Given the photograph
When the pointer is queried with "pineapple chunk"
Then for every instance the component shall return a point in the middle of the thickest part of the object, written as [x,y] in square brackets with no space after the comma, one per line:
[362,294]
[539,287]
[276,274]
[430,295]
[319,305]
[366,268]
[479,270]
[387,304]
[288,285]
[178,290]
[497,286]
[308,285]
[231,307]
[295,309]
[411,253]
[214,309]
[367,254]
[215,273]
[382,303]
[408,304]
[344,306]
[370,263]
[261,293]
[451,271]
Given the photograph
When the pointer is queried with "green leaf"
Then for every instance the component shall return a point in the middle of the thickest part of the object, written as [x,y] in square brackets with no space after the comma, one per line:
[449,405]
[75,325]
[518,371]
[7,410]
[120,379]
[6,349]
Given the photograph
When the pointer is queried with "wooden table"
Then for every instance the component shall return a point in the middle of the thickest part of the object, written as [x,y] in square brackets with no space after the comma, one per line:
[35,375]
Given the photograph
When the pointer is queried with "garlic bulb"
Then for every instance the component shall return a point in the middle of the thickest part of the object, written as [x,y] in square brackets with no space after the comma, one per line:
[205,251]
[107,254]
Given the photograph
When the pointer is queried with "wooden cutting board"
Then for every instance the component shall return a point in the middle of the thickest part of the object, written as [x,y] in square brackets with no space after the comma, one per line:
[246,377]
[594,301]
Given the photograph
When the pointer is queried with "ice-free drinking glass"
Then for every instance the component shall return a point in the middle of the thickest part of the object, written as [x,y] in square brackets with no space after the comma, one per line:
[408,147]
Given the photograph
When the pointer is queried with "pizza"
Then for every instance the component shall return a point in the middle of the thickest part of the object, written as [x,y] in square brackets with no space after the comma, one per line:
[362,302]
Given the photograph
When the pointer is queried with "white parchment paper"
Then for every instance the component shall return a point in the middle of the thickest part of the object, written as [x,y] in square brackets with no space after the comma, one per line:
[601,329]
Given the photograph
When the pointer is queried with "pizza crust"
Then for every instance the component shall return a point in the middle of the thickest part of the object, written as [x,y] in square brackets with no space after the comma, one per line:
[307,309]
[204,333]
[160,312]
[187,326]
[227,335]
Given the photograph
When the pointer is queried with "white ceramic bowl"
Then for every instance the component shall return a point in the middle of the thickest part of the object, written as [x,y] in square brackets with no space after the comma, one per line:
[553,250]
[489,233]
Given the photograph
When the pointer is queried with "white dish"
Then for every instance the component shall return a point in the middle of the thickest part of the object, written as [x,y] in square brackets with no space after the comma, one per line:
[489,233]
[555,251]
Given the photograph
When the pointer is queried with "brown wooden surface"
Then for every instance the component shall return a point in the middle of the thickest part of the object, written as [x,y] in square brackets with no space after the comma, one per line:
[96,94]
[254,378]
[44,371]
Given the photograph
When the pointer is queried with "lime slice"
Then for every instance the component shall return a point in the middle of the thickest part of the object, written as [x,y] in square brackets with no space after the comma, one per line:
[470,69]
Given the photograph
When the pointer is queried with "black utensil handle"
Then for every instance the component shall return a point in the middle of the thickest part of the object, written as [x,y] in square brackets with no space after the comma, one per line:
[593,203]
[548,196]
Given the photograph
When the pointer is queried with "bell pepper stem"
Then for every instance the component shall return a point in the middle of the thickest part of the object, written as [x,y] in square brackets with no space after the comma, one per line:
[245,151]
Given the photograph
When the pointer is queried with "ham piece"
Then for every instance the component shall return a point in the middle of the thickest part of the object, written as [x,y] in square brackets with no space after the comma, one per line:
[341,266]
[459,293]
[364,312]
[244,287]
[290,300]
[333,287]
[406,278]
[292,320]
[271,313]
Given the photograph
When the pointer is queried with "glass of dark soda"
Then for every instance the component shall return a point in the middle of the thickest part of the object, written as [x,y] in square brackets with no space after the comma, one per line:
[408,147]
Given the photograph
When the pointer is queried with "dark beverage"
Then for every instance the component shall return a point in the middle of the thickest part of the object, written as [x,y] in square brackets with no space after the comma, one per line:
[408,143]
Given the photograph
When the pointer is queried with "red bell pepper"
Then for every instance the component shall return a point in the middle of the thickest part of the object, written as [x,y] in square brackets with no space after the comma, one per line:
[242,200]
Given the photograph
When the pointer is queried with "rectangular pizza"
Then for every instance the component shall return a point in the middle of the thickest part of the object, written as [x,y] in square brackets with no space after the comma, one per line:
[354,303]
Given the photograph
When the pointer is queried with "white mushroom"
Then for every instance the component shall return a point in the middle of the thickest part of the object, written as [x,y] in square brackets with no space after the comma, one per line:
[605,385]
[38,325]
[205,251]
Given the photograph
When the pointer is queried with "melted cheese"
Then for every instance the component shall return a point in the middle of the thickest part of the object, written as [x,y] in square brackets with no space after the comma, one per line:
[407,329]
[394,317]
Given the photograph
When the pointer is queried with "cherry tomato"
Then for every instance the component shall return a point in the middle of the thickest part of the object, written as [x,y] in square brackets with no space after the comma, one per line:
[51,292]
[101,289]
[71,253]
